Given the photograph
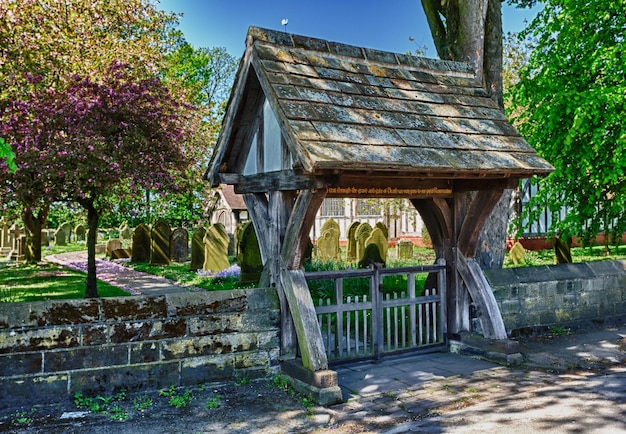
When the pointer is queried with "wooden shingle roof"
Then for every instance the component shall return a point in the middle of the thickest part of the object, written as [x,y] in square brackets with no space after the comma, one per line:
[345,109]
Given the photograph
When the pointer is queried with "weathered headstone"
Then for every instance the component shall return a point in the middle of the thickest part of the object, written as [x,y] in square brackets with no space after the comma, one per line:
[121,253]
[45,241]
[216,249]
[112,244]
[62,234]
[5,243]
[371,255]
[232,245]
[383,227]
[160,243]
[361,234]
[517,253]
[328,243]
[352,244]
[249,256]
[125,232]
[179,245]
[377,236]
[562,251]
[405,249]
[141,244]
[80,232]
[197,249]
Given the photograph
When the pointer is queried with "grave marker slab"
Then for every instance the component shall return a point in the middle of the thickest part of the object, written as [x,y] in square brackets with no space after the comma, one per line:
[160,243]
[197,249]
[216,249]
[141,244]
[179,245]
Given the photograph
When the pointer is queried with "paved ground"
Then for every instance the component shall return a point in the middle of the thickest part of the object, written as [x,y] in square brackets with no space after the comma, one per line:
[570,383]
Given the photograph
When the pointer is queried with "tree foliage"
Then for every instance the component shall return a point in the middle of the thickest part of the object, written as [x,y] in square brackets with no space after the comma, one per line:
[570,104]
[471,31]
[7,154]
[80,143]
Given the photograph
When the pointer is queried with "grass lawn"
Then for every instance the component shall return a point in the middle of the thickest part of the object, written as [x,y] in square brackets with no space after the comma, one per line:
[31,282]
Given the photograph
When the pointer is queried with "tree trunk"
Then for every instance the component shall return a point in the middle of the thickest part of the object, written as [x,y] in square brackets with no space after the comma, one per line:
[471,31]
[33,224]
[91,290]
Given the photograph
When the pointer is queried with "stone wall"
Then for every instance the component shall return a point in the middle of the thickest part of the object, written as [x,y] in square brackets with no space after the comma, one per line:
[51,350]
[565,295]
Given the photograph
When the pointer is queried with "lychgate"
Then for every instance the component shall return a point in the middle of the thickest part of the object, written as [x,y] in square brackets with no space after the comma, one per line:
[310,119]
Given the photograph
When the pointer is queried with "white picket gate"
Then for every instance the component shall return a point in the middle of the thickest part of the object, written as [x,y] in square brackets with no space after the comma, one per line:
[369,325]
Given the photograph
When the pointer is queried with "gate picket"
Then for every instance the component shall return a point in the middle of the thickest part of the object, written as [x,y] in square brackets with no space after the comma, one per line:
[400,321]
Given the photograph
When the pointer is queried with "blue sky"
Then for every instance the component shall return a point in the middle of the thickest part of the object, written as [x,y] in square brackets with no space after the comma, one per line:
[383,24]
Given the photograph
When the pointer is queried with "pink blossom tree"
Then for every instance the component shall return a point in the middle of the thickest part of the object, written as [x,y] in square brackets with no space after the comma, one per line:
[83,142]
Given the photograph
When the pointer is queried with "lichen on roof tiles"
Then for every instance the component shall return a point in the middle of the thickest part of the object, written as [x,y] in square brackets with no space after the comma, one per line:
[349,108]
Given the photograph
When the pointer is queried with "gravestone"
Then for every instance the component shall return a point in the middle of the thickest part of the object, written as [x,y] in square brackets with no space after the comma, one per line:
[383,227]
[249,256]
[562,251]
[232,245]
[5,242]
[377,236]
[112,244]
[125,232]
[14,233]
[361,234]
[197,249]
[328,243]
[371,255]
[62,234]
[141,244]
[121,253]
[405,249]
[352,243]
[80,232]
[179,245]
[216,249]
[517,253]
[45,240]
[160,243]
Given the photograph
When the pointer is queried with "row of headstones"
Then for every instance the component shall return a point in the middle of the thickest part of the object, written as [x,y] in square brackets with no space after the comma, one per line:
[366,244]
[210,247]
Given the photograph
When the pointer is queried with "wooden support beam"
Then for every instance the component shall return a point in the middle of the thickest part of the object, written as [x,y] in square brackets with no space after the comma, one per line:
[280,208]
[300,304]
[302,311]
[287,180]
[437,217]
[482,295]
[474,220]
[300,223]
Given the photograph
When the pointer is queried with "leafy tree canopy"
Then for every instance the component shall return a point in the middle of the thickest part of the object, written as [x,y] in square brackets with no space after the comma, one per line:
[570,104]
[8,155]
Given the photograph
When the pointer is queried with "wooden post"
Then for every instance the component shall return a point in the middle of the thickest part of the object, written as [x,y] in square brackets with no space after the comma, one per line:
[301,306]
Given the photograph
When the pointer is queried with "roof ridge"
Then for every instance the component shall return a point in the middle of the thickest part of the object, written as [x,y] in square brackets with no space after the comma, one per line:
[277,37]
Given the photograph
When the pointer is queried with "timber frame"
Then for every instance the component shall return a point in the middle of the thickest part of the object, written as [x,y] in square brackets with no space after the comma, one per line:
[357,122]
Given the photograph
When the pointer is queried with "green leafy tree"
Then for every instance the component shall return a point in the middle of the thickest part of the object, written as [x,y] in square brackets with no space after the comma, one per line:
[570,104]
[80,143]
[205,76]
[43,45]
[8,155]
